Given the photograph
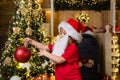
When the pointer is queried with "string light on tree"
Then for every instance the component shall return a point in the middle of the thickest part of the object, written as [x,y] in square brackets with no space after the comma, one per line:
[115,57]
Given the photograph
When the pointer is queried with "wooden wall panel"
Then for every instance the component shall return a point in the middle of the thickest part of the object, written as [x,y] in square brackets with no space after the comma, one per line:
[6,11]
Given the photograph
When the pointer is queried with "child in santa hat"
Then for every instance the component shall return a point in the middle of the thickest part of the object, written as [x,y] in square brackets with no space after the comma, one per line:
[64,53]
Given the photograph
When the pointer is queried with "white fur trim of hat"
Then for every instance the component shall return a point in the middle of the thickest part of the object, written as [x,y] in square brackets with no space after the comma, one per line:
[70,31]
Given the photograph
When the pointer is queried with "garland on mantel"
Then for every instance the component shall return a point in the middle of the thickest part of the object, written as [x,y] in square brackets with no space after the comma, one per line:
[117,4]
[97,5]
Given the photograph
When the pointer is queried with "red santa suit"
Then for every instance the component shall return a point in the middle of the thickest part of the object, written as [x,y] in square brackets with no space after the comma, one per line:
[68,70]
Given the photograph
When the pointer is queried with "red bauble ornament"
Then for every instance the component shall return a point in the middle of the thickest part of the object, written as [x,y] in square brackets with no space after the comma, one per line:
[22,54]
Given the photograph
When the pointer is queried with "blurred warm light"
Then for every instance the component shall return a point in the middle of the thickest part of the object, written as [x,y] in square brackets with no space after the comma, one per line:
[54,39]
[19,65]
[39,1]
[115,69]
[48,15]
[115,57]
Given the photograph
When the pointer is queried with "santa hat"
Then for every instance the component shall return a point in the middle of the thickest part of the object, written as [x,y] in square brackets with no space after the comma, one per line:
[73,28]
[88,30]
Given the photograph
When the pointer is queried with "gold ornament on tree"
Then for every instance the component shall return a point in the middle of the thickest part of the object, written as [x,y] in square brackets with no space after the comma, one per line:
[24,11]
[43,29]
[52,77]
[28,31]
[29,20]
[29,78]
[7,61]
[35,13]
[44,77]
[82,17]
[41,77]
[38,77]
[16,30]
[39,3]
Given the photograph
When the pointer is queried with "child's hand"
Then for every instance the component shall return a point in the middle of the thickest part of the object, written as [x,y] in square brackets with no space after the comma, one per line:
[27,40]
[42,53]
[80,64]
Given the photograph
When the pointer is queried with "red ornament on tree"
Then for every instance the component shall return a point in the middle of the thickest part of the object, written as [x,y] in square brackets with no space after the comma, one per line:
[22,54]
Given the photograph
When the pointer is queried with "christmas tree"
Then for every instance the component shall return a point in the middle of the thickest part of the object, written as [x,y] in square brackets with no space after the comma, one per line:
[27,21]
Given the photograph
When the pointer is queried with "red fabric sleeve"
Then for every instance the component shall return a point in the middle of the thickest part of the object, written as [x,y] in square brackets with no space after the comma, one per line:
[71,53]
[50,46]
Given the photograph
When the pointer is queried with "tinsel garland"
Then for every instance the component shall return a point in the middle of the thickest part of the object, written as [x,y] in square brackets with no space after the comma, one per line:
[97,5]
